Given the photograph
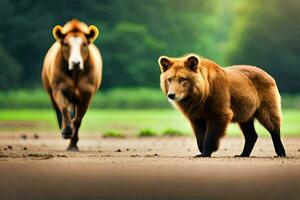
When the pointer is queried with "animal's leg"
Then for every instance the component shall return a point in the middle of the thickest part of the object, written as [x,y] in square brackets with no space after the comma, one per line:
[279,149]
[250,137]
[80,112]
[216,128]
[57,111]
[199,127]
[62,104]
[271,121]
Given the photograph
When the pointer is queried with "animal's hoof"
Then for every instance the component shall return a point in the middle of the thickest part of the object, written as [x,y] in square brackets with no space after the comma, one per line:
[202,156]
[67,132]
[241,156]
[72,148]
[198,156]
[280,156]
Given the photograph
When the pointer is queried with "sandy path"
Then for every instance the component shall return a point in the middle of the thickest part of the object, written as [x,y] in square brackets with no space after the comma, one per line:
[153,168]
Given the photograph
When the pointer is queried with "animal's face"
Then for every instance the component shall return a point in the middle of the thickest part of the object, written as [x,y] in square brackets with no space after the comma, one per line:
[75,37]
[177,76]
[75,50]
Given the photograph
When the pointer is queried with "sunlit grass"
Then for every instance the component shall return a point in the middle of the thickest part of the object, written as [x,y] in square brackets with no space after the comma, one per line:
[129,122]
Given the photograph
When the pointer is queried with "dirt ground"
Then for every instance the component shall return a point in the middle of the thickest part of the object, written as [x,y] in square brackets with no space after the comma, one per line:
[38,167]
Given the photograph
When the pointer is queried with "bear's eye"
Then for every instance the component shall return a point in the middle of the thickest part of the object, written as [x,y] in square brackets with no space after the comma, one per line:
[66,45]
[182,79]
[84,45]
[170,80]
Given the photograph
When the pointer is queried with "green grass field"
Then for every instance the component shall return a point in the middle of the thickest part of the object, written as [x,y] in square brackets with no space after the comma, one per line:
[127,122]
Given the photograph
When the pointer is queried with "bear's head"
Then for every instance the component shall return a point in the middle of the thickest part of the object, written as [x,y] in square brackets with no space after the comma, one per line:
[182,77]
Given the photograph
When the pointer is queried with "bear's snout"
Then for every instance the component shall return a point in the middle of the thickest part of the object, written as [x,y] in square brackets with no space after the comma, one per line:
[171,96]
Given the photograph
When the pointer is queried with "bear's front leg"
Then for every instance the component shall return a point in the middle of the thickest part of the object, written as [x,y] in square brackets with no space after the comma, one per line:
[216,128]
[199,127]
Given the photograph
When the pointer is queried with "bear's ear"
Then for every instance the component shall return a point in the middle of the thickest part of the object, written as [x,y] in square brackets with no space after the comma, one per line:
[93,33]
[57,33]
[192,62]
[165,63]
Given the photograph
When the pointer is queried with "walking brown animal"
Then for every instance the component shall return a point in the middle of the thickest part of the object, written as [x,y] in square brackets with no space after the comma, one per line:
[72,73]
[211,97]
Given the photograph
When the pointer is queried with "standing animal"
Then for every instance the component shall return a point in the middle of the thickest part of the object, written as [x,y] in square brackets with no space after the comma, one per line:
[72,73]
[211,97]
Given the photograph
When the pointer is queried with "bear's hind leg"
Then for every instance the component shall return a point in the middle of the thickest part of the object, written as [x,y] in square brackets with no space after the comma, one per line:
[279,149]
[271,121]
[250,137]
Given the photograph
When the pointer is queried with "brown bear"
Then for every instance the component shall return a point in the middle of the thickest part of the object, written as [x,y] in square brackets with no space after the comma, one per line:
[211,97]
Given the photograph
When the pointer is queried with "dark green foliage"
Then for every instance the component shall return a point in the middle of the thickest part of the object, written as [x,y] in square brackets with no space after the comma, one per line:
[266,34]
[130,50]
[10,70]
[134,33]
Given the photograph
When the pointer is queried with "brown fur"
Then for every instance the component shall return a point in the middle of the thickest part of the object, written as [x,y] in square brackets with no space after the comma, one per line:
[211,97]
[72,90]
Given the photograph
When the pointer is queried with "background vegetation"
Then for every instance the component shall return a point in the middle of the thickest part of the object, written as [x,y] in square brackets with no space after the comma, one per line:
[133,34]
[121,123]
[116,98]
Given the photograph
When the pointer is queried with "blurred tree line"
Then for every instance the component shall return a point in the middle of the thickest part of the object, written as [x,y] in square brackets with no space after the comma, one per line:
[133,34]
